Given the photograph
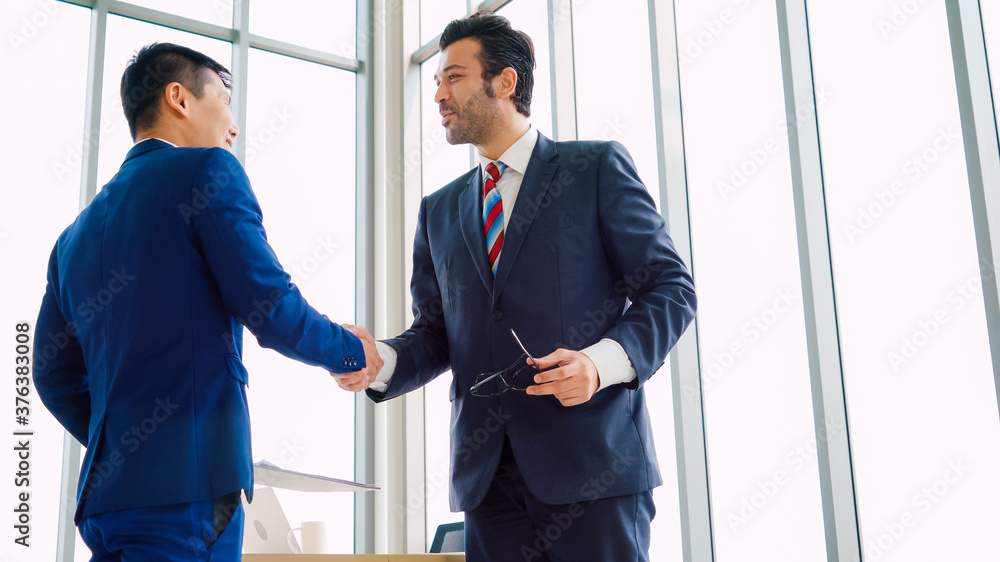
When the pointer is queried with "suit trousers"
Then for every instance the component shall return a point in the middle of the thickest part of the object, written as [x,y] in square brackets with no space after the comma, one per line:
[204,531]
[511,524]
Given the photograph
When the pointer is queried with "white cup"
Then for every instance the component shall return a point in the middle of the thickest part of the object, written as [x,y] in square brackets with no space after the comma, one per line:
[315,539]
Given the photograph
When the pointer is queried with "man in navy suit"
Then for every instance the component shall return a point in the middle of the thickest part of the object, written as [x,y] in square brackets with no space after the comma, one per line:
[562,243]
[148,292]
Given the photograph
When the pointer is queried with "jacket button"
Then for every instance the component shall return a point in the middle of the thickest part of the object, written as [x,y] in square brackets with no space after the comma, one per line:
[497,314]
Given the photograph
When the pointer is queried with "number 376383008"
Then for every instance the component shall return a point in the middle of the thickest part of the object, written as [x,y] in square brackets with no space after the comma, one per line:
[22,388]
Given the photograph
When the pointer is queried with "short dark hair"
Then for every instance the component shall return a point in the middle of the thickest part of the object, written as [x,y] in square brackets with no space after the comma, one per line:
[501,46]
[152,68]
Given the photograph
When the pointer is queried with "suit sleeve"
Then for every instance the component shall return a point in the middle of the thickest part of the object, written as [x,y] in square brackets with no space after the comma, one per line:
[422,350]
[228,225]
[58,370]
[656,281]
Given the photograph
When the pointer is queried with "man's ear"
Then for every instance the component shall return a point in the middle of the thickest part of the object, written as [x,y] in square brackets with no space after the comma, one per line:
[505,83]
[176,98]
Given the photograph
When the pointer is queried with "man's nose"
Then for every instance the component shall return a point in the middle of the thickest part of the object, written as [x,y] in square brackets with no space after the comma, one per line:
[442,93]
[234,131]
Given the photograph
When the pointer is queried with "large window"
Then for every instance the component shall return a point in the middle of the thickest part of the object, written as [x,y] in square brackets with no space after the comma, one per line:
[306,186]
[614,94]
[917,367]
[44,58]
[315,24]
[755,375]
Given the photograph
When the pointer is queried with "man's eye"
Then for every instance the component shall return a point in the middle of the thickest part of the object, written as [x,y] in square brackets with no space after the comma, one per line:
[452,77]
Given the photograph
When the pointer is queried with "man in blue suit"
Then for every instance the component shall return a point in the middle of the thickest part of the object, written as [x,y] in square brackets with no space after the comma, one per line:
[148,292]
[562,243]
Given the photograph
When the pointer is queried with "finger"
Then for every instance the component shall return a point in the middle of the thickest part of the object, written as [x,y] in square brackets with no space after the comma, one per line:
[357,387]
[553,388]
[359,331]
[348,375]
[560,373]
[554,358]
[570,393]
[346,387]
[344,379]
[351,378]
[360,382]
[574,401]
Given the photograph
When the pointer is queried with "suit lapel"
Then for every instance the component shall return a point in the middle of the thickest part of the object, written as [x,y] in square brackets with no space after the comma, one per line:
[471,220]
[534,185]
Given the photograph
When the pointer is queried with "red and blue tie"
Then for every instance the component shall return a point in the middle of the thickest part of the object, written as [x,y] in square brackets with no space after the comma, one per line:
[493,213]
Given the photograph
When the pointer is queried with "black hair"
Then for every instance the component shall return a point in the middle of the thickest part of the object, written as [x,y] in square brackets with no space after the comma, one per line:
[152,68]
[501,46]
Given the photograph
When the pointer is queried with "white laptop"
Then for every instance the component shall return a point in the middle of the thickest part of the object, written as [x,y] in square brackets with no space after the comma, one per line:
[265,527]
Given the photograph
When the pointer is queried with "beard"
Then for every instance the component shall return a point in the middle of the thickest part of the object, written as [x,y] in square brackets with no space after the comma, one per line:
[476,122]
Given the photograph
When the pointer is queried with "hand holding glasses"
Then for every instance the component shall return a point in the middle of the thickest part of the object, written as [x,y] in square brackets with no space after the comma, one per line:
[518,376]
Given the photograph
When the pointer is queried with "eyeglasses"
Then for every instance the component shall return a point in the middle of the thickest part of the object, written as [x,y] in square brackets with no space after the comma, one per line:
[518,376]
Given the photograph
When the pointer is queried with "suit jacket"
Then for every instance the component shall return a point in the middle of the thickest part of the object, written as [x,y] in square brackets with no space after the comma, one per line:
[139,337]
[586,256]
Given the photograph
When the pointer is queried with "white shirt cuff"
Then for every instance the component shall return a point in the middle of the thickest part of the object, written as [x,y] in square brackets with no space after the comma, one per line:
[613,364]
[388,355]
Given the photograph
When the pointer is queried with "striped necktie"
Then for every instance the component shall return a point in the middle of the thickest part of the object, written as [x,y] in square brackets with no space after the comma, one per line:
[493,213]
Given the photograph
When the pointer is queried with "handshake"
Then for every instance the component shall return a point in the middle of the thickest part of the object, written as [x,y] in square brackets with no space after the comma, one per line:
[360,380]
[570,376]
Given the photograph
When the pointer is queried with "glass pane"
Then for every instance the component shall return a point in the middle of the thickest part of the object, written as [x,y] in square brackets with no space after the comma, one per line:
[665,531]
[441,163]
[918,374]
[219,12]
[531,17]
[628,120]
[40,182]
[991,29]
[437,451]
[125,37]
[755,374]
[435,15]
[317,24]
[306,186]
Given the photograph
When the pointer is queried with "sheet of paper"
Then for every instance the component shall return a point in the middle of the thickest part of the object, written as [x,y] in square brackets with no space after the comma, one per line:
[267,474]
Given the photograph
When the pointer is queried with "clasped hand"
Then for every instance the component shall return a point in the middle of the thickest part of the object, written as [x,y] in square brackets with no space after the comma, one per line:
[360,380]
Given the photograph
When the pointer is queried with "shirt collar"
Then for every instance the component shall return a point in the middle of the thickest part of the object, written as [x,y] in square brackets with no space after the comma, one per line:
[518,155]
[159,139]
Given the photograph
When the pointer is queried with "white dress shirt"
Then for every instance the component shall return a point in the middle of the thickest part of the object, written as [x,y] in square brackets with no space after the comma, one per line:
[159,139]
[613,364]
